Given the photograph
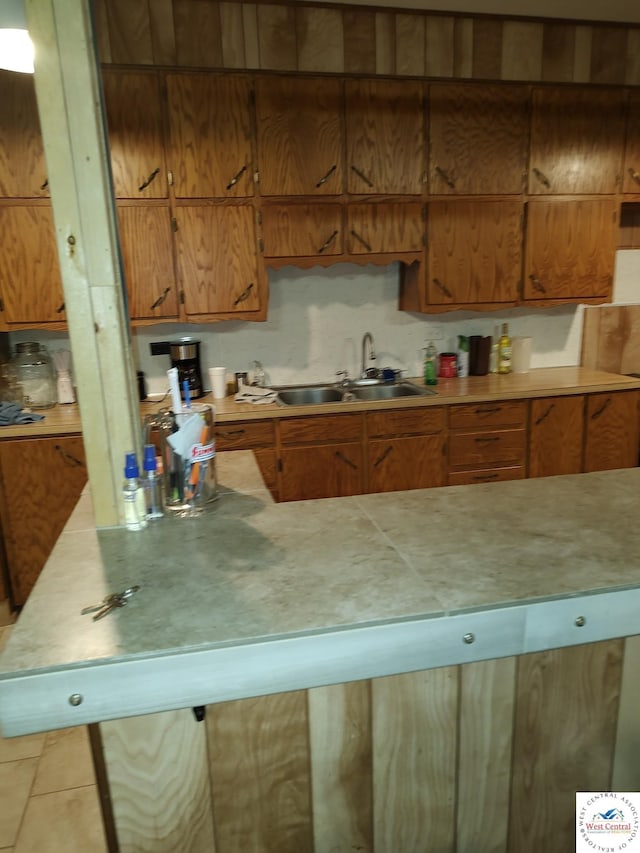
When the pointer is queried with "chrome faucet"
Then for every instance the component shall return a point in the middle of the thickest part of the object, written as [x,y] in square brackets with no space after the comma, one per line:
[371,371]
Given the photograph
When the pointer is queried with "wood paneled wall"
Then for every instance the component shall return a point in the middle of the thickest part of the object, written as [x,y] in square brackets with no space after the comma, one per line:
[479,758]
[354,40]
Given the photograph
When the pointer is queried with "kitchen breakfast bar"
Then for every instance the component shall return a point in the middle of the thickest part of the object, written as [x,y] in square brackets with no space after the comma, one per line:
[431,670]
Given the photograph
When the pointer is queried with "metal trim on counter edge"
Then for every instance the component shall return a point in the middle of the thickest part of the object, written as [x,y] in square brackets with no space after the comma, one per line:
[91,693]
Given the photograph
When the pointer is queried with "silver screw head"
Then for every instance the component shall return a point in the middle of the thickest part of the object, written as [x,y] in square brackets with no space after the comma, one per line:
[75,699]
[469,638]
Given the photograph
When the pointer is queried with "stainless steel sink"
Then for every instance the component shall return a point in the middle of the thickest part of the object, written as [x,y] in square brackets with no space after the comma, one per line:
[313,395]
[389,392]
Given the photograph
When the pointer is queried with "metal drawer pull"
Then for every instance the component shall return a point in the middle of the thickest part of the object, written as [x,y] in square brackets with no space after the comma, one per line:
[381,459]
[542,178]
[244,295]
[580,621]
[485,439]
[68,458]
[362,175]
[361,240]
[328,242]
[151,177]
[546,414]
[45,185]
[160,299]
[445,177]
[230,433]
[484,477]
[599,411]
[488,411]
[343,458]
[324,179]
[236,177]
[60,308]
[443,288]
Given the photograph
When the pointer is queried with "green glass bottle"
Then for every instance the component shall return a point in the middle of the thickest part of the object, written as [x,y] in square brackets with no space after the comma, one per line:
[430,365]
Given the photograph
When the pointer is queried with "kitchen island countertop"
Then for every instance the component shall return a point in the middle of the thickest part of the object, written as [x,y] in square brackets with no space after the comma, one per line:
[256,597]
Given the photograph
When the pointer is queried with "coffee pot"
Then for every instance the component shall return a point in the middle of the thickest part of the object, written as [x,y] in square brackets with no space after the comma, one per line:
[185,357]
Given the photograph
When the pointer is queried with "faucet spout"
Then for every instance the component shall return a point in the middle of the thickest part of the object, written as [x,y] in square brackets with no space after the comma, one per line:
[365,372]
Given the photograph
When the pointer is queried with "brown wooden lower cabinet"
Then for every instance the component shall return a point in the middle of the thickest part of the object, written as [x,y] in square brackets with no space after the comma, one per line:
[485,756]
[556,436]
[611,427]
[41,482]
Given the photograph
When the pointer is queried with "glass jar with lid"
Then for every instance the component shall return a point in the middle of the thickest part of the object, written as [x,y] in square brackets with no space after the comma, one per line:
[34,372]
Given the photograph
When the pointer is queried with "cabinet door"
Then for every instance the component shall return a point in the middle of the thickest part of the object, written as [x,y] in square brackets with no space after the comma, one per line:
[556,436]
[30,281]
[385,136]
[570,249]
[134,119]
[33,517]
[385,228]
[23,171]
[474,252]
[416,462]
[478,139]
[146,242]
[210,135]
[631,172]
[612,431]
[217,259]
[300,143]
[321,471]
[577,139]
[301,230]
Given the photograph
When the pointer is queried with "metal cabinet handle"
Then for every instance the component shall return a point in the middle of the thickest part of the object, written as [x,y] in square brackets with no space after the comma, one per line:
[327,242]
[326,177]
[343,458]
[45,184]
[546,414]
[151,178]
[244,295]
[160,299]
[68,458]
[481,478]
[60,308]
[234,180]
[488,410]
[381,458]
[362,176]
[537,284]
[361,240]
[542,178]
[446,177]
[230,433]
[599,411]
[635,175]
[443,287]
[486,439]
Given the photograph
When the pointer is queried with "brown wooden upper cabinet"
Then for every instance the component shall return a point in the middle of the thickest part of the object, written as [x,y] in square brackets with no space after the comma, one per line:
[385,127]
[478,139]
[300,140]
[23,170]
[570,249]
[210,149]
[577,137]
[134,120]
[385,228]
[217,259]
[475,253]
[302,230]
[631,172]
[30,282]
[146,242]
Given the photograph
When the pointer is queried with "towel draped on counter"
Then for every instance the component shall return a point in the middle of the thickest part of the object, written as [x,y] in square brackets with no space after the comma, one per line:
[12,413]
[255,394]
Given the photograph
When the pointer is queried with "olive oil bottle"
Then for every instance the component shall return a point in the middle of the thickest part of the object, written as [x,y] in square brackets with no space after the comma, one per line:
[504,350]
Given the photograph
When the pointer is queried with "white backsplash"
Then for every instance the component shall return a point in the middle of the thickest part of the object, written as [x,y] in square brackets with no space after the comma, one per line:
[317,319]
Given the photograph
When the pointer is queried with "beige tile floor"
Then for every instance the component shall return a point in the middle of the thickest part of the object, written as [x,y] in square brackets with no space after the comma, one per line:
[48,795]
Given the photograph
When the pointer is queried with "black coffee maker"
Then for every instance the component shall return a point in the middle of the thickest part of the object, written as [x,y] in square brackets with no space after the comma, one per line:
[185,356]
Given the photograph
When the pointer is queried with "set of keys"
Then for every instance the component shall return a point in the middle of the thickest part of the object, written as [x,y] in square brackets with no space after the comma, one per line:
[110,602]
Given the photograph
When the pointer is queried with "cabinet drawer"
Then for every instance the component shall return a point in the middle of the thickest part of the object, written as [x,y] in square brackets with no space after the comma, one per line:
[475,449]
[406,422]
[323,428]
[482,415]
[245,436]
[486,475]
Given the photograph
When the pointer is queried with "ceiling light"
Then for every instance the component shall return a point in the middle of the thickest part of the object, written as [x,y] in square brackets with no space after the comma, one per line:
[16,48]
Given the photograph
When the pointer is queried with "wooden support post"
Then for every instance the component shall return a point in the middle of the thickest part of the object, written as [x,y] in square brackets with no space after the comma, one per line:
[68,90]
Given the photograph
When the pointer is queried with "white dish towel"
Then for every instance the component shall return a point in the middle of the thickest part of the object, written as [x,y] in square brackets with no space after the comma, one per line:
[255,394]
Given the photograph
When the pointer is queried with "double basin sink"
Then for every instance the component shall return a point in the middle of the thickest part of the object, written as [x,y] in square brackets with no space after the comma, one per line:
[313,395]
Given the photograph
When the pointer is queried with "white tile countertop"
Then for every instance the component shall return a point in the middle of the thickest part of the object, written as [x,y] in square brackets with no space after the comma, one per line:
[257,597]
